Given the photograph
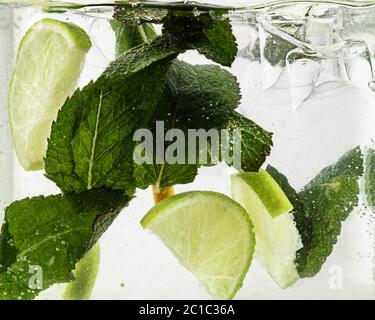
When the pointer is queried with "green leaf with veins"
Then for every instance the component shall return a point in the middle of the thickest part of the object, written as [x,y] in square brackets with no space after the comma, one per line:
[130,36]
[369,178]
[210,35]
[201,97]
[209,32]
[53,233]
[195,97]
[8,251]
[256,142]
[91,142]
[328,198]
[321,207]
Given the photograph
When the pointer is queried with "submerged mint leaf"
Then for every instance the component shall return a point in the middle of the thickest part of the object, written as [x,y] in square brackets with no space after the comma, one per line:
[369,178]
[328,199]
[210,35]
[8,252]
[91,141]
[200,97]
[209,32]
[256,142]
[320,208]
[51,234]
[197,96]
[164,175]
[276,50]
[220,44]
[130,36]
[291,193]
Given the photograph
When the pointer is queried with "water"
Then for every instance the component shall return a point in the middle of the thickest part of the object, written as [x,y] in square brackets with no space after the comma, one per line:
[306,74]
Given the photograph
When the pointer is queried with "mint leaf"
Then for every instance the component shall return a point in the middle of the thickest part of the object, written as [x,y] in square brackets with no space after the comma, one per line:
[197,96]
[207,31]
[201,97]
[91,142]
[8,252]
[328,198]
[129,36]
[51,234]
[164,175]
[369,178]
[210,35]
[291,193]
[256,142]
[276,49]
[320,208]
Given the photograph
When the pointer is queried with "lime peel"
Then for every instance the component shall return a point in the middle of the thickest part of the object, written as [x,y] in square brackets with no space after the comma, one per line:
[49,62]
[277,236]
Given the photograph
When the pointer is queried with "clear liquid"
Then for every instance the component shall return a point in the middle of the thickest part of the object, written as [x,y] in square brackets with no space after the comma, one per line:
[317,109]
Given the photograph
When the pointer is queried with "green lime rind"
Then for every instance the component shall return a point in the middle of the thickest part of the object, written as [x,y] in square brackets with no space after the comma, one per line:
[49,63]
[369,178]
[268,191]
[84,276]
[277,237]
[196,215]
[76,35]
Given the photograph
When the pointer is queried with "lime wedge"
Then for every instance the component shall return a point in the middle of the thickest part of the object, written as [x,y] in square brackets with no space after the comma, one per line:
[84,276]
[210,234]
[49,62]
[276,234]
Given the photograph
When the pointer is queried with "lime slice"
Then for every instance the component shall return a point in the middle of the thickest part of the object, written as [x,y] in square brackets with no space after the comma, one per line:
[85,276]
[49,61]
[210,234]
[276,234]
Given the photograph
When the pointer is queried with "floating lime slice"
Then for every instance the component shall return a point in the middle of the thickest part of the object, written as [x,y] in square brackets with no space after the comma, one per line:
[85,276]
[210,234]
[276,234]
[49,62]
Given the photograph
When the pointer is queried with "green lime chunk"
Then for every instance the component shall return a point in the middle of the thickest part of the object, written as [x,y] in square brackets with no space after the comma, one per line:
[85,276]
[276,234]
[49,62]
[210,234]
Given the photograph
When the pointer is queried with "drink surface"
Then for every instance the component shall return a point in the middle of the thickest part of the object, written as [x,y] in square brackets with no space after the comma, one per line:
[305,69]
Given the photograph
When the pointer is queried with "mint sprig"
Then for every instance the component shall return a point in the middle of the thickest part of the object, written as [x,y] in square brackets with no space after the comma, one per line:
[321,207]
[211,35]
[90,149]
[51,234]
[91,141]
[207,31]
[130,36]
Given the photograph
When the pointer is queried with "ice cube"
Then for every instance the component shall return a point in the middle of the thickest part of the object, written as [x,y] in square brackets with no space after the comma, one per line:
[303,72]
[357,60]
[348,61]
